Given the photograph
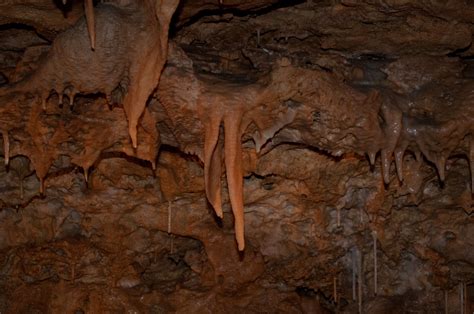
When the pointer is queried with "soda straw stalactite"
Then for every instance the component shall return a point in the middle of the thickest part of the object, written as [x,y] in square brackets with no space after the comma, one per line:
[374,236]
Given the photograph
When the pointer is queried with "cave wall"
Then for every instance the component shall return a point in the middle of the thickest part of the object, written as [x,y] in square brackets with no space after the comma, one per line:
[295,156]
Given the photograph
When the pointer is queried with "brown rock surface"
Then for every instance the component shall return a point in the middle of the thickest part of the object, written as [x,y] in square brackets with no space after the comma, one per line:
[291,156]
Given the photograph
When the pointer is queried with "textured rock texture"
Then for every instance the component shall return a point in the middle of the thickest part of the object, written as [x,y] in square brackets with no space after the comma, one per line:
[290,157]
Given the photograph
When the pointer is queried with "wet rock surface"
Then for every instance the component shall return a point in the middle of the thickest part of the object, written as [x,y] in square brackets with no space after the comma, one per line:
[339,133]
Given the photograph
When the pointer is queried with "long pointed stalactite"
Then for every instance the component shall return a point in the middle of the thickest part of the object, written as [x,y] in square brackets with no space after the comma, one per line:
[145,75]
[213,162]
[89,12]
[231,121]
[234,171]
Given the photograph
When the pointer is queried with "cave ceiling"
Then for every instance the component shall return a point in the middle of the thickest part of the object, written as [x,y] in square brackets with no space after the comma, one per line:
[236,155]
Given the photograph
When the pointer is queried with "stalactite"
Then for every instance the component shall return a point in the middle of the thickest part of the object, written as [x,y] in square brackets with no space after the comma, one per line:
[399,163]
[20,165]
[169,217]
[461,297]
[86,173]
[171,236]
[212,163]
[234,172]
[60,98]
[41,190]
[43,101]
[265,132]
[418,156]
[354,270]
[171,244]
[374,236]
[6,147]
[441,166]
[471,161]
[359,273]
[371,158]
[89,12]
[71,94]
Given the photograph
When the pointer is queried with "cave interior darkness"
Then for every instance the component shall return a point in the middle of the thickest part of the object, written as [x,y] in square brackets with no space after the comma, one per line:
[237,156]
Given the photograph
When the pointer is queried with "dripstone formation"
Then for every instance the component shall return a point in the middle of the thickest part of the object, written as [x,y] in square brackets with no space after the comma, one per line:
[237,156]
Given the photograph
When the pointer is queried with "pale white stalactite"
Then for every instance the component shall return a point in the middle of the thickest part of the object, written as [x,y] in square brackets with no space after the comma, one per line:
[372,158]
[71,99]
[86,174]
[374,236]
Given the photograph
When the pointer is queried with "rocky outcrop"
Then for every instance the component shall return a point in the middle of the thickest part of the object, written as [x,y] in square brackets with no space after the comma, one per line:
[338,134]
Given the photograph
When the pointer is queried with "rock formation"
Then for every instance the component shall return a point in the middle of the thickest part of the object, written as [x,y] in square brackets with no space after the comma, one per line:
[338,134]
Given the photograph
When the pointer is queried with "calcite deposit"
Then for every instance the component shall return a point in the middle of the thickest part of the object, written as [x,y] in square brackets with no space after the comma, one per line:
[235,156]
